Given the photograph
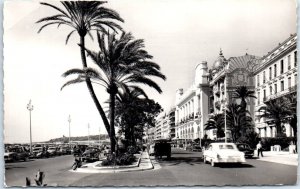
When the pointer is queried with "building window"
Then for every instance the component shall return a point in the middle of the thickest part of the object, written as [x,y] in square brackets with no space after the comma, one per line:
[281,66]
[265,95]
[275,88]
[258,98]
[289,82]
[264,77]
[275,70]
[289,62]
[258,80]
[295,58]
[282,85]
[270,73]
[296,79]
[271,90]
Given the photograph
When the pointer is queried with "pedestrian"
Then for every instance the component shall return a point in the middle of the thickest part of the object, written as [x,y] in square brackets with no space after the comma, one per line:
[259,149]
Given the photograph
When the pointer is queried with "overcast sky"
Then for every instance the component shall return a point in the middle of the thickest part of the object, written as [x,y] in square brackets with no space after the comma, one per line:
[179,34]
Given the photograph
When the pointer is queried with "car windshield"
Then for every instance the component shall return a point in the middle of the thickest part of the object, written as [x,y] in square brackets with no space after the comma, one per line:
[226,146]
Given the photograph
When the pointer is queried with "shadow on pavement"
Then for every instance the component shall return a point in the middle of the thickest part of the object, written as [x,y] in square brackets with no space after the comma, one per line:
[14,167]
[179,160]
[234,165]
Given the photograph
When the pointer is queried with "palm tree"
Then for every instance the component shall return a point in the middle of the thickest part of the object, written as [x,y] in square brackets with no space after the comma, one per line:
[276,111]
[84,17]
[238,121]
[216,122]
[292,100]
[122,63]
[243,93]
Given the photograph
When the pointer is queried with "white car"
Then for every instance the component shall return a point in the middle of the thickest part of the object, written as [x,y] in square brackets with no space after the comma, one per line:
[223,153]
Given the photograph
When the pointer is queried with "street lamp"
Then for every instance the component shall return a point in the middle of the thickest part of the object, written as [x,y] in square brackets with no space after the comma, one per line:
[89,133]
[69,120]
[30,108]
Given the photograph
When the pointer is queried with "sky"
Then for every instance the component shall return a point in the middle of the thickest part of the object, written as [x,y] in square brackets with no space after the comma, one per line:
[179,34]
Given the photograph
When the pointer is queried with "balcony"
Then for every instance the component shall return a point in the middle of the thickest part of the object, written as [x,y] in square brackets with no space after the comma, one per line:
[293,89]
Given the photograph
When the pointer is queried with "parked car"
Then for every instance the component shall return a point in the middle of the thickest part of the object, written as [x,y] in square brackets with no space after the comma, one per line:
[243,147]
[16,154]
[223,153]
[35,151]
[162,147]
[194,148]
[91,154]
[52,151]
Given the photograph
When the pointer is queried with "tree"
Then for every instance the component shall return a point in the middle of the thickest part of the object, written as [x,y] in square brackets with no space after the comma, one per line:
[276,111]
[84,17]
[216,122]
[134,113]
[292,120]
[122,62]
[238,121]
[243,93]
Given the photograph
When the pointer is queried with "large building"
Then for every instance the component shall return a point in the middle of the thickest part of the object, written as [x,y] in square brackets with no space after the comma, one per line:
[192,107]
[271,76]
[275,77]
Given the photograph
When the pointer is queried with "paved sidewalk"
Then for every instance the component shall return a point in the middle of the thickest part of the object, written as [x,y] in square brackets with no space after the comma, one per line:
[280,157]
[144,164]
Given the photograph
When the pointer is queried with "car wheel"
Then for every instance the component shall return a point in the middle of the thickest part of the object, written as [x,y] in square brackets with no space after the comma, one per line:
[26,159]
[212,163]
[204,159]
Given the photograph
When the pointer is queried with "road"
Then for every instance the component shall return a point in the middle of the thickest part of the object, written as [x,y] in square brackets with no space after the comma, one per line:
[184,168]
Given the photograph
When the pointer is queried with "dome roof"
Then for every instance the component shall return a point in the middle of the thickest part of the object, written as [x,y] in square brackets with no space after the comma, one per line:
[220,61]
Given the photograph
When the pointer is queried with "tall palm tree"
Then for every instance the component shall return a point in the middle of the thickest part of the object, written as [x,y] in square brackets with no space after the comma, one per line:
[216,122]
[121,62]
[276,111]
[84,17]
[243,93]
[238,121]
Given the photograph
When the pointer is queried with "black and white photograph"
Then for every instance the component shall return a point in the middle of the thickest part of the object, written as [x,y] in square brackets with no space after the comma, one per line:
[150,93]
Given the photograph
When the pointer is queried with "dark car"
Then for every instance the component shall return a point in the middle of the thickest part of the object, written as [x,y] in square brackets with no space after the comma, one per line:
[91,154]
[194,148]
[16,154]
[162,148]
[243,147]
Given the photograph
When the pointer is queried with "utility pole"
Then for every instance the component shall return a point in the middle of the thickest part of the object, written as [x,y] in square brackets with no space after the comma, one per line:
[69,120]
[89,133]
[30,108]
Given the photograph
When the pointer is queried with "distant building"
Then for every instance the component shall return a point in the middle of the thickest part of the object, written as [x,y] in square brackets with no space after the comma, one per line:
[165,125]
[274,78]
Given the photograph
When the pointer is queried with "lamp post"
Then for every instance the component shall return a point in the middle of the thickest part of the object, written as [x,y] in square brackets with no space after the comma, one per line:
[89,133]
[99,137]
[30,108]
[69,120]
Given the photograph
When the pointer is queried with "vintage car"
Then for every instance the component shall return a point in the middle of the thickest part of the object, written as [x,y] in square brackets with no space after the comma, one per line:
[162,147]
[151,149]
[91,154]
[16,154]
[243,147]
[52,150]
[223,153]
[194,148]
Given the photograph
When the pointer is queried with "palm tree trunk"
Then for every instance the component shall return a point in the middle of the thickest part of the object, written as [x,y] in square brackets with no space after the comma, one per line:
[112,122]
[91,89]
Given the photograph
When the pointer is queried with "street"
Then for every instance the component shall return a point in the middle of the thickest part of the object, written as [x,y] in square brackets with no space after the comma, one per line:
[184,168]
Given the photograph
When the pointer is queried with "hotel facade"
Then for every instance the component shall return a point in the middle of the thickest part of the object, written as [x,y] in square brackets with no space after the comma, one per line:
[271,76]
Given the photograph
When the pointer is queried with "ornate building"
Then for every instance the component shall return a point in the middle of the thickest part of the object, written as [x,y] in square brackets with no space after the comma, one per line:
[275,77]
[192,107]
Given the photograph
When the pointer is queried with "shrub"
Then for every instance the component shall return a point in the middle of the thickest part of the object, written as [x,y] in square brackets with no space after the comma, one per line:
[121,159]
[133,149]
[251,138]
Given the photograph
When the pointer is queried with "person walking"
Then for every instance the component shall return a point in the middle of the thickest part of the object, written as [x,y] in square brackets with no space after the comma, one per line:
[259,149]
